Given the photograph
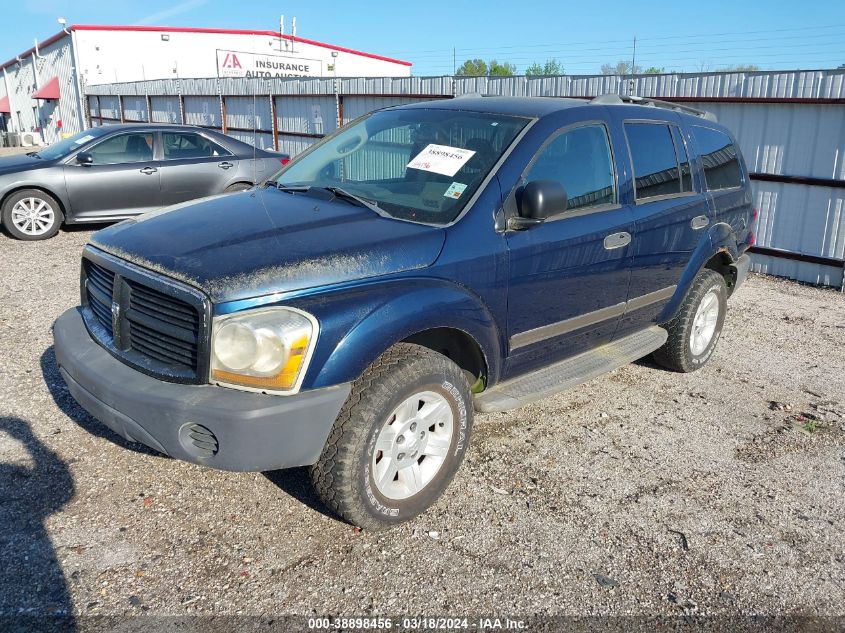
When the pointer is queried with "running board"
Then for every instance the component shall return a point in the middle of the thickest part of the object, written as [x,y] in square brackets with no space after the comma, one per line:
[568,373]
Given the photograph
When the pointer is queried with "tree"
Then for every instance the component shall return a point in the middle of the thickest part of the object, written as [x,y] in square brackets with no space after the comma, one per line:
[473,68]
[742,68]
[621,68]
[840,67]
[480,68]
[551,67]
[654,70]
[501,70]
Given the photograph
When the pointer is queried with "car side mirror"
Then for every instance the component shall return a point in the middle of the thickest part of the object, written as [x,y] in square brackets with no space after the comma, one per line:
[84,158]
[538,201]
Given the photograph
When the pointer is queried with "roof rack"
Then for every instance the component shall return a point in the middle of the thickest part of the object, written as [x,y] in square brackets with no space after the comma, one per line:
[616,99]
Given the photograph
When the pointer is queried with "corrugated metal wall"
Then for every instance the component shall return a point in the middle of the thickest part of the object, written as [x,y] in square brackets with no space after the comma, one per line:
[789,125]
[54,60]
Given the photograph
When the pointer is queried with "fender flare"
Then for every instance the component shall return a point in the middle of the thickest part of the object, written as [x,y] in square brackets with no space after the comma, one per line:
[401,309]
[720,238]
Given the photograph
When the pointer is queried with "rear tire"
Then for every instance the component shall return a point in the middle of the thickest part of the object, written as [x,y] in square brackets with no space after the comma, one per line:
[399,439]
[696,328]
[238,186]
[32,214]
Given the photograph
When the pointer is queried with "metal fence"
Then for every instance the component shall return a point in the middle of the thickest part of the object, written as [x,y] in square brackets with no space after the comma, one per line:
[789,125]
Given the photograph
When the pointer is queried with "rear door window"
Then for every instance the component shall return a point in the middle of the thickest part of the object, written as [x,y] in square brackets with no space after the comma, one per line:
[719,158]
[580,159]
[656,169]
[182,145]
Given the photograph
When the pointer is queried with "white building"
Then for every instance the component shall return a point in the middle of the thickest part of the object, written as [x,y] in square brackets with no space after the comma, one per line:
[43,89]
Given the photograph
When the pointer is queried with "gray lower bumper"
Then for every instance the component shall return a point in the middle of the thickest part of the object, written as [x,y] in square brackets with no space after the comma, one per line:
[254,432]
[742,265]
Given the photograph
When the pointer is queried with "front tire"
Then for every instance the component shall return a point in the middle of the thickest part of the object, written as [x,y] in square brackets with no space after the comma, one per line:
[238,186]
[696,328]
[399,439]
[31,214]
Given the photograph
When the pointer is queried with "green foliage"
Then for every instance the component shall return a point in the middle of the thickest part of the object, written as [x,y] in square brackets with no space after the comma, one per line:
[480,68]
[501,70]
[742,68]
[620,68]
[654,70]
[551,67]
[472,68]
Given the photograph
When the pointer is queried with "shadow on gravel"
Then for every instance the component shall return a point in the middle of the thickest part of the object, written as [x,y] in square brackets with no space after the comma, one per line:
[297,483]
[649,363]
[61,396]
[33,591]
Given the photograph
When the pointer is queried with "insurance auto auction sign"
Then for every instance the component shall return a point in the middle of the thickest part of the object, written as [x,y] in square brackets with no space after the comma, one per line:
[240,64]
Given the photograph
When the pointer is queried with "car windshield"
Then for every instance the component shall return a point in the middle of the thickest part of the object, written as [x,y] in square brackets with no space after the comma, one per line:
[70,144]
[421,165]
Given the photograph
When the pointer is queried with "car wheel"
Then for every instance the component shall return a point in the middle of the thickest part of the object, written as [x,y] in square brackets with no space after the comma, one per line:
[31,214]
[399,439]
[695,330]
[238,186]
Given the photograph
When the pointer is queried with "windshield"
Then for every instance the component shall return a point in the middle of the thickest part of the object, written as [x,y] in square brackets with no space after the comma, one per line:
[415,164]
[70,144]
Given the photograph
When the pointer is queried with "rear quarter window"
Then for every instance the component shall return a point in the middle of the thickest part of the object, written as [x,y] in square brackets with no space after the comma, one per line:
[719,159]
[657,164]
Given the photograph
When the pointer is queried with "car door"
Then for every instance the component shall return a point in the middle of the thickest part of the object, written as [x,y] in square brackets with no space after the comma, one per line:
[193,166]
[122,180]
[569,275]
[671,215]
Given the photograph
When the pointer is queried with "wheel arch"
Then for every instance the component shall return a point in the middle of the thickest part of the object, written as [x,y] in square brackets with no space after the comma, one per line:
[18,188]
[717,251]
[435,314]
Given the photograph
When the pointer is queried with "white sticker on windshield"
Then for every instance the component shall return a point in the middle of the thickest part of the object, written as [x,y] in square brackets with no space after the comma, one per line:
[441,159]
[455,190]
[84,139]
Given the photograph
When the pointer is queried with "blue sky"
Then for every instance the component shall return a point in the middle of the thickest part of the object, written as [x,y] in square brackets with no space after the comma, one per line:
[772,34]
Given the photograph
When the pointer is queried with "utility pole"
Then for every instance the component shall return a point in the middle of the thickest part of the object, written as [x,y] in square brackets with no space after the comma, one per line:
[633,67]
[454,61]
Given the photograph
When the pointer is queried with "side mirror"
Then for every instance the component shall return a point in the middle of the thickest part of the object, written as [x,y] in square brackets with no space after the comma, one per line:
[541,199]
[84,158]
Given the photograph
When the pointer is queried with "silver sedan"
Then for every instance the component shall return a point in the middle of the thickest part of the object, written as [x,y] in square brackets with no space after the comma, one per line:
[117,171]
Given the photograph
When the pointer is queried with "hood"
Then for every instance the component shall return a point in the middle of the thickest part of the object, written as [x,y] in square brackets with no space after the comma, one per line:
[265,241]
[21,162]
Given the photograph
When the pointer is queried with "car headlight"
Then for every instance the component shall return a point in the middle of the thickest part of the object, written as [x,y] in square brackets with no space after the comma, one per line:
[264,349]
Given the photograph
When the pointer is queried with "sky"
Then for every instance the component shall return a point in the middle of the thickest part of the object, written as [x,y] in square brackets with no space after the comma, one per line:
[771,34]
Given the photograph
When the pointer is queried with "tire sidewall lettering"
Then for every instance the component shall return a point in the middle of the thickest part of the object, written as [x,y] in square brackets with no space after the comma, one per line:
[702,358]
[382,506]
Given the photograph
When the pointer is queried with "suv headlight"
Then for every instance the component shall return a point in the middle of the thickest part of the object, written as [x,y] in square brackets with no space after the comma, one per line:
[264,350]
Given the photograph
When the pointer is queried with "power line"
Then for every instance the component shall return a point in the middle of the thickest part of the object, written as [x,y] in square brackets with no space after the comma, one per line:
[707,36]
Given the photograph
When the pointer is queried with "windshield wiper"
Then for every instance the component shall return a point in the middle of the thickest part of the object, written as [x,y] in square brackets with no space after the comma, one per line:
[338,192]
[281,187]
[346,195]
[35,154]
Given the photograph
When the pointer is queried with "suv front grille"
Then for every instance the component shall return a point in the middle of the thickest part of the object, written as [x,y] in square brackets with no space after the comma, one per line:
[148,321]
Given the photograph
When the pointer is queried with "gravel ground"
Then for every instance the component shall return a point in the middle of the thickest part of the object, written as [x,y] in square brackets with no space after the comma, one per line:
[643,492]
[11,151]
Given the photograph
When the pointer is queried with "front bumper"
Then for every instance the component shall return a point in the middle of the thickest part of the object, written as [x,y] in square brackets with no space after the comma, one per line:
[253,432]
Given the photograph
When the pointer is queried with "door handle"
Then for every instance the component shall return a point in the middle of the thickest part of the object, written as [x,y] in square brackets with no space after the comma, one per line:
[225,165]
[699,222]
[617,240]
[149,170]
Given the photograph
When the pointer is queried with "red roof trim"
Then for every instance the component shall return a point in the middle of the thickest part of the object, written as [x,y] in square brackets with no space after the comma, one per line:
[50,90]
[181,29]
[4,106]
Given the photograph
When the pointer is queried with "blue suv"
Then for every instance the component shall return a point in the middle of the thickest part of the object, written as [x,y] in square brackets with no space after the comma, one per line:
[421,263]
